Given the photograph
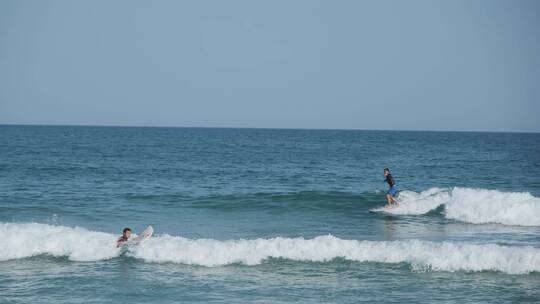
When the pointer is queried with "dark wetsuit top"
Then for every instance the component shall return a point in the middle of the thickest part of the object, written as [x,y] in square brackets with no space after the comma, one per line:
[390,180]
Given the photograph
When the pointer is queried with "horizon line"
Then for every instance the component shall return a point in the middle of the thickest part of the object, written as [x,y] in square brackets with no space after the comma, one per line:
[257,128]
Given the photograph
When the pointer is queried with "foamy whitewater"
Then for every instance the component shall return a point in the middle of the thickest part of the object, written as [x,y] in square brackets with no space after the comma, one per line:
[27,240]
[477,206]
[267,216]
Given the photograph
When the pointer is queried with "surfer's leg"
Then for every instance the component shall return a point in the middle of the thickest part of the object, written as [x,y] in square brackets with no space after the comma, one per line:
[390,195]
[389,199]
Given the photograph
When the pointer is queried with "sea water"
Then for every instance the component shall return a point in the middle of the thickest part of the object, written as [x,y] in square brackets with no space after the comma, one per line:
[269,216]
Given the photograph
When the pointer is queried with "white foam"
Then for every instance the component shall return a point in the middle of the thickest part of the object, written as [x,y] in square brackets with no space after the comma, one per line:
[417,203]
[78,244]
[476,206]
[438,256]
[491,206]
[26,240]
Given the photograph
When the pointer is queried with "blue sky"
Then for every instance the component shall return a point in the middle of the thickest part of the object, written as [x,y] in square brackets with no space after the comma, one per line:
[400,65]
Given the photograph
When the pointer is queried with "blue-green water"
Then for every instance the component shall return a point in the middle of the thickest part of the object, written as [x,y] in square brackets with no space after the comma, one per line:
[250,215]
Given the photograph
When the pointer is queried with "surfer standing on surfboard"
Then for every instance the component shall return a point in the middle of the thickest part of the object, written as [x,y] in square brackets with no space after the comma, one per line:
[126,234]
[393,188]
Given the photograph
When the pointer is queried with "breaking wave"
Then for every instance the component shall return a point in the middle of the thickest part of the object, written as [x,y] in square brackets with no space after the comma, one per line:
[78,244]
[477,206]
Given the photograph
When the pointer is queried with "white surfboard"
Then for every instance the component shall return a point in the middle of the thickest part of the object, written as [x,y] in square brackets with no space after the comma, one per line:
[146,234]
[384,209]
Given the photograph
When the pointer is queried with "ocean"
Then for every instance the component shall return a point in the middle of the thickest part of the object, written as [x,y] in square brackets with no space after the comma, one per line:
[268,216]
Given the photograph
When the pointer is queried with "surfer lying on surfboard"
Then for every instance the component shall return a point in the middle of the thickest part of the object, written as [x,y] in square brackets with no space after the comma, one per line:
[126,234]
[393,188]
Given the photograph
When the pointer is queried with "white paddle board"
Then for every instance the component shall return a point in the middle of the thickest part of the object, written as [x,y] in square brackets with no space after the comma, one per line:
[384,209]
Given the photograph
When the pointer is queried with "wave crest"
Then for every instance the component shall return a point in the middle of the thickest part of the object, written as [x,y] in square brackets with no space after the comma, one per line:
[477,206]
[437,256]
[78,244]
[26,240]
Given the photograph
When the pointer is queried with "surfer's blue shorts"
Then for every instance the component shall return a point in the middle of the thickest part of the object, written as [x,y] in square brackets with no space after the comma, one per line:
[392,191]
